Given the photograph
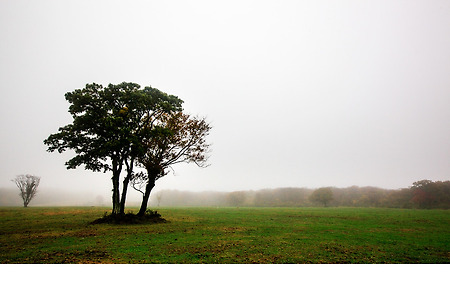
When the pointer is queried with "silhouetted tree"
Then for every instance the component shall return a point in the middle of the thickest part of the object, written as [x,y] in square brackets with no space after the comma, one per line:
[109,124]
[27,185]
[322,196]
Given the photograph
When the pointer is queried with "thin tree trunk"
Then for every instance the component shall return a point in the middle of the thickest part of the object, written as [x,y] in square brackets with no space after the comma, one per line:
[126,182]
[124,194]
[116,188]
[115,195]
[148,188]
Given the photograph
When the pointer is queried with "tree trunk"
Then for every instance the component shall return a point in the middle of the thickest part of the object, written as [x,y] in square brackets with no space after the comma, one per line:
[115,195]
[116,188]
[126,182]
[148,188]
[124,194]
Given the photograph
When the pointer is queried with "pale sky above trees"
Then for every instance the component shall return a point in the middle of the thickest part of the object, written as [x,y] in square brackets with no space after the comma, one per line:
[299,93]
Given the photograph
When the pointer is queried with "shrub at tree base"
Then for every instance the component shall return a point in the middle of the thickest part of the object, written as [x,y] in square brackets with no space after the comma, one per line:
[150,217]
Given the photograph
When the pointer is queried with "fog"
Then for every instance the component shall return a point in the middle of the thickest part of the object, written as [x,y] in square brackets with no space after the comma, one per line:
[299,93]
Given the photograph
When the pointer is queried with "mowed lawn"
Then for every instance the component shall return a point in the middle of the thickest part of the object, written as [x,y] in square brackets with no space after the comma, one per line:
[227,235]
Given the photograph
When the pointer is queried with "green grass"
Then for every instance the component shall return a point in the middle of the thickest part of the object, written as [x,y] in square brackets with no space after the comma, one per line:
[227,235]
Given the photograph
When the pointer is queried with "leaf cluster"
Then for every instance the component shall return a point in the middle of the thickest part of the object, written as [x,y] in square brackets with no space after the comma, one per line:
[108,123]
[176,138]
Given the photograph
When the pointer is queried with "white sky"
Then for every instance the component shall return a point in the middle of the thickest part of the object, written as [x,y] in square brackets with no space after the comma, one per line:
[300,93]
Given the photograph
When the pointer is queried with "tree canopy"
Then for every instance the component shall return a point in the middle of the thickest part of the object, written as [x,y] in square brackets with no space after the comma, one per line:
[116,128]
[176,138]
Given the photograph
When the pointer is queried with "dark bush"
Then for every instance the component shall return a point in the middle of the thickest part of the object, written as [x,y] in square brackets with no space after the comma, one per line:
[149,217]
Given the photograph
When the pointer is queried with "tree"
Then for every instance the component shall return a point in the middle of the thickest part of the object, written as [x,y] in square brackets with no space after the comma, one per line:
[323,196]
[109,124]
[27,185]
[175,138]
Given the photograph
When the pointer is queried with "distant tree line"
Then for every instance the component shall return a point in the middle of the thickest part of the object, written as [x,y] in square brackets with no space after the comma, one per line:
[424,194]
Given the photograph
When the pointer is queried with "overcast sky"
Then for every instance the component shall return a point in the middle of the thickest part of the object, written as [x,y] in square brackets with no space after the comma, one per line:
[299,93]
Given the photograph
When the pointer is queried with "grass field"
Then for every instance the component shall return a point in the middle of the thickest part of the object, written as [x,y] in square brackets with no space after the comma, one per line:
[227,235]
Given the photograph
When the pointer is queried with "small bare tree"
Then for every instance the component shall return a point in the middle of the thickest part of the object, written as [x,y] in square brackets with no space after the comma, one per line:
[27,185]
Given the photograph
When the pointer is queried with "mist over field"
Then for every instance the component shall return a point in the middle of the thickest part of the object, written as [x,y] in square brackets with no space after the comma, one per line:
[299,93]
[322,136]
[54,197]
[423,194]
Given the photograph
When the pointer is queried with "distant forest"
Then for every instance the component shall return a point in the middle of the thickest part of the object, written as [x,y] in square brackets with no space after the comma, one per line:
[424,194]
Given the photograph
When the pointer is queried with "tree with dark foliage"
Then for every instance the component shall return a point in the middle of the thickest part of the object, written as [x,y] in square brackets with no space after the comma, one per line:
[109,125]
[27,185]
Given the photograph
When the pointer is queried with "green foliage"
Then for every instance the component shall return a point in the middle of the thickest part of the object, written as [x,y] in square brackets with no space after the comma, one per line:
[228,235]
[108,129]
[107,123]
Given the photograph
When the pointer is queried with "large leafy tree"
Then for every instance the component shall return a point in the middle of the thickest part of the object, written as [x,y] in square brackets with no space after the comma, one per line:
[109,124]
